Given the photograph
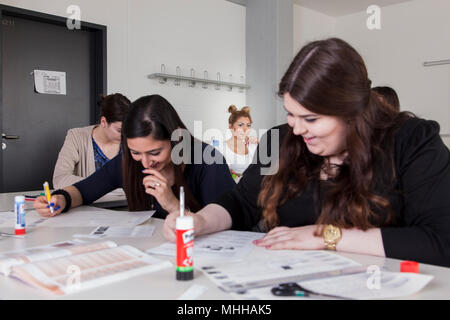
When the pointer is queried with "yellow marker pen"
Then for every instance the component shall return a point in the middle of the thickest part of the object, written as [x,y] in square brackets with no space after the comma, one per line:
[47,193]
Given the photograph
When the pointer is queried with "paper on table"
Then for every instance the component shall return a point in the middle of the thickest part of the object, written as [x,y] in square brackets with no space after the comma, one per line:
[225,244]
[118,232]
[275,267]
[361,286]
[54,250]
[84,216]
[117,194]
[354,286]
[94,269]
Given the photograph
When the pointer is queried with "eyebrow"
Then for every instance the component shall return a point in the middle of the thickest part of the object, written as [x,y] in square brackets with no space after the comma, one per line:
[150,151]
[303,116]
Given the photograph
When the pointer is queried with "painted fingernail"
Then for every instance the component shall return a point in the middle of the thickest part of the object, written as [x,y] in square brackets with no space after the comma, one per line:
[268,247]
[58,207]
[52,204]
[48,206]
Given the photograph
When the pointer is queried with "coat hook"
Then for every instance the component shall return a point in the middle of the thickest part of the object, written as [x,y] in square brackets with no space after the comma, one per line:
[205,84]
[163,71]
[192,83]
[178,71]
[218,79]
[230,78]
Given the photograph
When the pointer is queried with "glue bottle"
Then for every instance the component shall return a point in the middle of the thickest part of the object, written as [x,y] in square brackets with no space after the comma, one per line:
[19,210]
[185,243]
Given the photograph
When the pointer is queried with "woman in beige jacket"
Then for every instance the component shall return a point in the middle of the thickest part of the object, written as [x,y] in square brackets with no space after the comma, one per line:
[88,148]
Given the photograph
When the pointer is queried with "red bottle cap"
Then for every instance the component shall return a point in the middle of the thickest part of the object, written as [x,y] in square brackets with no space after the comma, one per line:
[19,232]
[409,266]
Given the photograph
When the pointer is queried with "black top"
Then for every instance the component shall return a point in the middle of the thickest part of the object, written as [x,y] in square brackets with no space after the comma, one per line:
[205,181]
[420,197]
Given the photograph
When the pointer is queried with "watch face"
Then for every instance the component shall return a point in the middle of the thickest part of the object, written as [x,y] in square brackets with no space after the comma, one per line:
[331,233]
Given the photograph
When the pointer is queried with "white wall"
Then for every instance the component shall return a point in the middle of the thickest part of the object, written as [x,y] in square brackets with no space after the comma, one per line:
[310,25]
[142,35]
[411,33]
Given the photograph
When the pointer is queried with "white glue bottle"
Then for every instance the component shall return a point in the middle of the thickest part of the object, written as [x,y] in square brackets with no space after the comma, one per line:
[19,210]
[185,243]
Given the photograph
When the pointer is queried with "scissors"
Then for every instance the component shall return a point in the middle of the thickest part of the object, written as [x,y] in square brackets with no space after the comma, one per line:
[290,289]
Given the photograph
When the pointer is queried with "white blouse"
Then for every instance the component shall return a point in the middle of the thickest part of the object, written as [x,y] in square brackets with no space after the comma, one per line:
[239,162]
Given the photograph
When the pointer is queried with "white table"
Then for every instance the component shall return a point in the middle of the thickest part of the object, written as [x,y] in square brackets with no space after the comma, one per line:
[162,284]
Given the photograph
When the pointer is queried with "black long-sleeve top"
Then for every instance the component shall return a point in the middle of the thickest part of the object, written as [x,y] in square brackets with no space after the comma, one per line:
[205,181]
[419,197]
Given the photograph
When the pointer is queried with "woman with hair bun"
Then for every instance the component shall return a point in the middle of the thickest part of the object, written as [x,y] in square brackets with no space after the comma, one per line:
[353,174]
[240,148]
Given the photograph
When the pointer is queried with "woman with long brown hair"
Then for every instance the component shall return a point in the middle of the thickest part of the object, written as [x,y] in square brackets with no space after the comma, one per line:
[146,168]
[353,174]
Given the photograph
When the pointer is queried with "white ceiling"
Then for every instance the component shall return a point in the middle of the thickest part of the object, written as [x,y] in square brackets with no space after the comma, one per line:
[337,8]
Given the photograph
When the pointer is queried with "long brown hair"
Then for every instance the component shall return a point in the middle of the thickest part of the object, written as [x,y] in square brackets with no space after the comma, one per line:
[329,77]
[150,116]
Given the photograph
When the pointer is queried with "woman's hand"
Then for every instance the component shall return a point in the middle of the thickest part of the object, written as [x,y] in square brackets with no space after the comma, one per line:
[251,140]
[58,202]
[157,185]
[284,238]
[170,224]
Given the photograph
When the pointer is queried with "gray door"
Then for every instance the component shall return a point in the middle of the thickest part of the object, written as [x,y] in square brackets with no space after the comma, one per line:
[40,121]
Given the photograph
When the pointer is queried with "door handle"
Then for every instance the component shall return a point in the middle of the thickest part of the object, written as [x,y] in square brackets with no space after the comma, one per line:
[9,137]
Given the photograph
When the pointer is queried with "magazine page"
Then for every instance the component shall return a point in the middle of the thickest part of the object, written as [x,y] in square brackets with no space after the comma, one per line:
[55,250]
[87,270]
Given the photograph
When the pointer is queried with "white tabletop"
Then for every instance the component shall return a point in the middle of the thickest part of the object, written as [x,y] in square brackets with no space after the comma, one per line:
[162,284]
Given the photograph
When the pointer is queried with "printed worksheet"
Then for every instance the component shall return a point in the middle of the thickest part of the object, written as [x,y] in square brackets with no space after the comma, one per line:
[360,286]
[276,267]
[228,244]
[118,232]
[84,216]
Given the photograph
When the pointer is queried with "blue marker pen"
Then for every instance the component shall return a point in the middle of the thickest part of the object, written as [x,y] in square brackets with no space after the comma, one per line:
[19,209]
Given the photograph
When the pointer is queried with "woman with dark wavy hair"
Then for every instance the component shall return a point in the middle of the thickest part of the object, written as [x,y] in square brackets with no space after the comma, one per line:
[149,168]
[353,174]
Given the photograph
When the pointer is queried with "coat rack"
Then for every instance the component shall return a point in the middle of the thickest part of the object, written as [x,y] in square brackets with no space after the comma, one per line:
[435,63]
[192,80]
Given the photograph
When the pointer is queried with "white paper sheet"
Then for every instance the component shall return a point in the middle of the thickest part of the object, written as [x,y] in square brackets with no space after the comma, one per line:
[275,266]
[226,244]
[355,286]
[360,286]
[115,195]
[84,216]
[118,232]
[50,82]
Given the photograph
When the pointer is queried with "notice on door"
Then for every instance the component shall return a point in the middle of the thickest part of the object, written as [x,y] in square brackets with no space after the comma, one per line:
[50,82]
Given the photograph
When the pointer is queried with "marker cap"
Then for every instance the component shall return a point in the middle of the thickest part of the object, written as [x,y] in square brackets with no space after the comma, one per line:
[19,232]
[185,223]
[409,266]
[185,275]
[19,198]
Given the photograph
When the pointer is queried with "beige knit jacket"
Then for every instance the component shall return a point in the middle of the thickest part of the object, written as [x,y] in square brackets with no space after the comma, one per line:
[76,158]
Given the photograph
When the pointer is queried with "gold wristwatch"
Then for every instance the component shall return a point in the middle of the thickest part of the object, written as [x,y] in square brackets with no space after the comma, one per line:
[331,236]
